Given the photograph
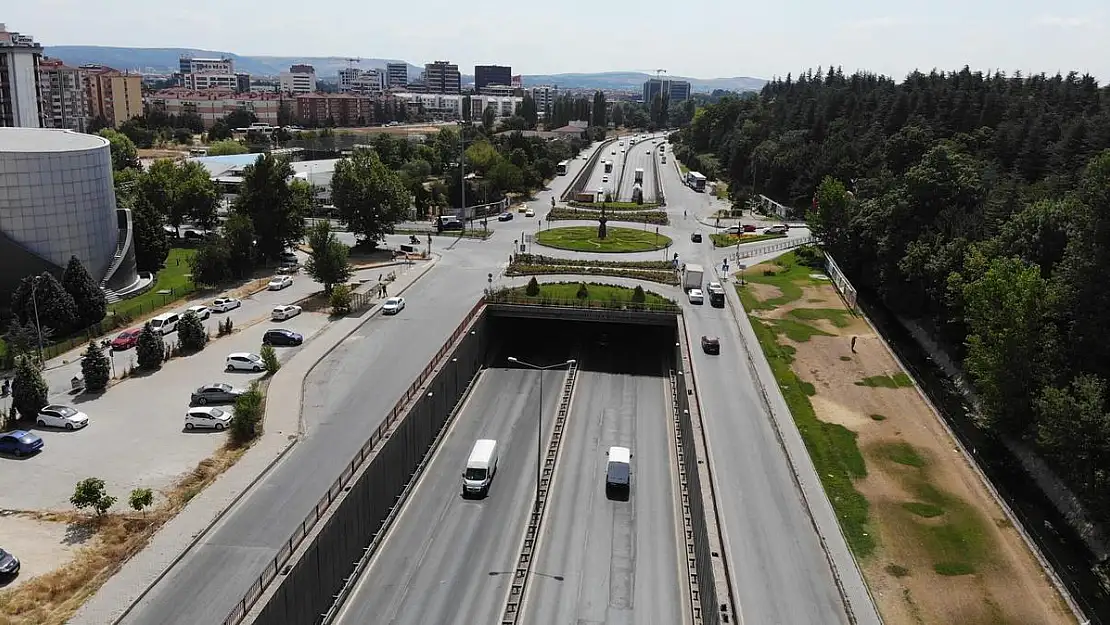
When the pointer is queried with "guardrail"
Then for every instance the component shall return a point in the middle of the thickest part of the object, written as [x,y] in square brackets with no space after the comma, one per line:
[688,529]
[583,175]
[512,298]
[659,195]
[337,488]
[774,247]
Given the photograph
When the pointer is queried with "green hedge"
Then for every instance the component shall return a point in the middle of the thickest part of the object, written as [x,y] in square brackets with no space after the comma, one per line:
[658,218]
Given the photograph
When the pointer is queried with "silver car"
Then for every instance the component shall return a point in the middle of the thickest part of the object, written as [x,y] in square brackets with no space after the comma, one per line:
[218,393]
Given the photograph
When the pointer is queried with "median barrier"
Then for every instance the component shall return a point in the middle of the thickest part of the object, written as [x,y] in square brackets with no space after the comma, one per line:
[583,175]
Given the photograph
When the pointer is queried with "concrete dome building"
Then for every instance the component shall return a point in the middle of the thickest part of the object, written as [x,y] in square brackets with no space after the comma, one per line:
[57,200]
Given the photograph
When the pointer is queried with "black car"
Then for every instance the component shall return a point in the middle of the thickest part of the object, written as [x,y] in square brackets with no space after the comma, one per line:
[717,299]
[280,336]
[9,565]
[710,345]
[696,237]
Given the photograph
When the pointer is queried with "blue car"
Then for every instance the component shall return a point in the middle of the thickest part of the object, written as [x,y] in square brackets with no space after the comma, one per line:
[19,443]
[505,217]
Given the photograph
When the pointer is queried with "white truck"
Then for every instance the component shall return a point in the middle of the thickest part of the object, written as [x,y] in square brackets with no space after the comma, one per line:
[481,466]
[692,276]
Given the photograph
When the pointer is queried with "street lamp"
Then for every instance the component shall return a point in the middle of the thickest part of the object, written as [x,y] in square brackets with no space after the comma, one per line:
[539,420]
[38,326]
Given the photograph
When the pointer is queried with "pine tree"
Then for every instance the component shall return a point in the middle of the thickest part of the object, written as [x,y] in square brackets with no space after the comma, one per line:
[56,308]
[95,368]
[191,332]
[29,390]
[91,306]
[150,351]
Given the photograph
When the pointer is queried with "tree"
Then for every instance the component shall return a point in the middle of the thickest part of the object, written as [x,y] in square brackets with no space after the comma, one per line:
[150,351]
[489,115]
[533,288]
[327,262]
[340,300]
[88,298]
[638,295]
[270,359]
[598,113]
[124,153]
[212,263]
[370,198]
[583,292]
[618,115]
[95,368]
[528,110]
[246,415]
[239,234]
[141,499]
[196,195]
[191,332]
[43,293]
[148,236]
[90,493]
[266,198]
[21,338]
[225,146]
[29,390]
[240,118]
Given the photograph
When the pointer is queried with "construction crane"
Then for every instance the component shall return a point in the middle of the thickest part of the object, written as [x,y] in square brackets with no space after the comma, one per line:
[351,62]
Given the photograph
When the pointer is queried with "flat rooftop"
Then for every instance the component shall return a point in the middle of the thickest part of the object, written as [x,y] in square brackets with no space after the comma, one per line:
[32,140]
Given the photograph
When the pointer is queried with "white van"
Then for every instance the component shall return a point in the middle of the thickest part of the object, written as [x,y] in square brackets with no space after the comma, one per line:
[481,466]
[618,472]
[164,324]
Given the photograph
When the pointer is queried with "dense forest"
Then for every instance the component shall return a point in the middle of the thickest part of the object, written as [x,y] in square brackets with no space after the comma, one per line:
[979,203]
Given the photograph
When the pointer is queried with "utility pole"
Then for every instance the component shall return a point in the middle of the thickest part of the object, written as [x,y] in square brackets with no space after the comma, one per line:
[38,326]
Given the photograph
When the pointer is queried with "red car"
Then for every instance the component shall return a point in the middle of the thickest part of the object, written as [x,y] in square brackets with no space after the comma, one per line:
[126,339]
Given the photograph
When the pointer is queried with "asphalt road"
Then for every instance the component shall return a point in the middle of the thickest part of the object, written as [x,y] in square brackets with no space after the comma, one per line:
[448,560]
[606,561]
[639,157]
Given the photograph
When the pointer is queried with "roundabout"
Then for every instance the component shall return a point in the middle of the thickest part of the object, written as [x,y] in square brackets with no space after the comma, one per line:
[616,241]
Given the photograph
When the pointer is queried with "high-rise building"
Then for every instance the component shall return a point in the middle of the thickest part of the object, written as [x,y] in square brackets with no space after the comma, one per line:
[397,75]
[190,65]
[442,77]
[544,96]
[198,74]
[485,75]
[64,95]
[676,90]
[354,80]
[300,79]
[113,95]
[20,102]
[679,90]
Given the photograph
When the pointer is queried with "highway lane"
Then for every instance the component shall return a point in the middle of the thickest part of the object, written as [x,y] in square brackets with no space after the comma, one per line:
[598,178]
[640,157]
[448,560]
[604,561]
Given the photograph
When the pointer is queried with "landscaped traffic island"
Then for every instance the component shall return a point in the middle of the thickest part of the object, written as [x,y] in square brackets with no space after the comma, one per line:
[583,295]
[617,240]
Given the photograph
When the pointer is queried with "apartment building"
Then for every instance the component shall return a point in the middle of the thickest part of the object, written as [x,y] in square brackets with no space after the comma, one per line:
[20,102]
[442,77]
[449,106]
[64,95]
[355,80]
[114,95]
[397,75]
[207,73]
[213,104]
[190,65]
[544,96]
[299,79]
[486,75]
[344,109]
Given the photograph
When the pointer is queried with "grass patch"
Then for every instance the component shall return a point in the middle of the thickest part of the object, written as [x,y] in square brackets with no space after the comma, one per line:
[896,570]
[878,417]
[614,206]
[584,239]
[568,291]
[789,278]
[797,331]
[644,217]
[808,389]
[721,239]
[832,447]
[953,568]
[898,380]
[902,453]
[837,316]
[173,277]
[925,510]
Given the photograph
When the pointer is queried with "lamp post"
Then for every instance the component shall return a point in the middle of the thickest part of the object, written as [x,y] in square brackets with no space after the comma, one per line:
[38,326]
[539,420]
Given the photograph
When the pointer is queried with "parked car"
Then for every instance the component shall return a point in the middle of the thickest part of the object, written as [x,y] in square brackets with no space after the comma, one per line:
[696,296]
[283,312]
[245,361]
[710,345]
[393,305]
[126,339]
[201,311]
[207,419]
[19,443]
[9,565]
[281,336]
[164,324]
[279,282]
[216,393]
[59,416]
[696,237]
[506,216]
[224,304]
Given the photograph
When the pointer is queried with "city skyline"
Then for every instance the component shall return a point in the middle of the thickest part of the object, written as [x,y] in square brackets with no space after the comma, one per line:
[716,41]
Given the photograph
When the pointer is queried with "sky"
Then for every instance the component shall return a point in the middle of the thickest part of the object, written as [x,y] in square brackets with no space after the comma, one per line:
[698,38]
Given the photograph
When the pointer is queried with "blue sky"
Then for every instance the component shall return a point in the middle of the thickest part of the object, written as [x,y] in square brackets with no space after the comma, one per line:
[701,38]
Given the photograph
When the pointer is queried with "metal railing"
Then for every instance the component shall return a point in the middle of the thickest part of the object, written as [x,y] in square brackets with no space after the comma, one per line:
[687,509]
[517,299]
[785,244]
[337,488]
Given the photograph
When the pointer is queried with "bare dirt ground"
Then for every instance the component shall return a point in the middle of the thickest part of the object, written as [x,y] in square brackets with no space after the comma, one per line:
[41,546]
[945,551]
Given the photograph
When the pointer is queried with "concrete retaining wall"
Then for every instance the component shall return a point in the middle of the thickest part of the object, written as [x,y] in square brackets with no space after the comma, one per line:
[583,176]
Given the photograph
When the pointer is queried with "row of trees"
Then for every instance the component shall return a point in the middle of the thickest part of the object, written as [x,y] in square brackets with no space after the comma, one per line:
[55,307]
[975,202]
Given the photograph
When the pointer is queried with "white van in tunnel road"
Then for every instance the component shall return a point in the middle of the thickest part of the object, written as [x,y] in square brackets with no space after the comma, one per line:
[481,466]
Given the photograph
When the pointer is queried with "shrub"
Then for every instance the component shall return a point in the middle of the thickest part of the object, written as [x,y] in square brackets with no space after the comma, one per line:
[29,390]
[224,327]
[340,299]
[533,288]
[638,295]
[270,359]
[140,499]
[95,368]
[191,333]
[150,350]
[810,256]
[248,413]
[90,493]
[583,292]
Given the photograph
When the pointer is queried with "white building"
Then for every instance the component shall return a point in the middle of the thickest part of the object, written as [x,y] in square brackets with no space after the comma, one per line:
[449,105]
[199,74]
[19,80]
[544,96]
[298,80]
[355,80]
[190,65]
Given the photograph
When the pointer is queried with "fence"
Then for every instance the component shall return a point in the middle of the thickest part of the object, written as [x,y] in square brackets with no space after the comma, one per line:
[841,281]
[339,485]
[774,247]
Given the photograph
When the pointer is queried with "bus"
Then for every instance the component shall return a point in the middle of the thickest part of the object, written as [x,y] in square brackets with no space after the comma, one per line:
[608,167]
[561,168]
[695,181]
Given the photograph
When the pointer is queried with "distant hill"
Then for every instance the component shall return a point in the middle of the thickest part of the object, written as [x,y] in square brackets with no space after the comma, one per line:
[165,60]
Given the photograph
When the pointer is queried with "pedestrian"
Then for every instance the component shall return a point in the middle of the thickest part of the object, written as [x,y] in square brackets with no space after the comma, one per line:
[383,291]
[854,344]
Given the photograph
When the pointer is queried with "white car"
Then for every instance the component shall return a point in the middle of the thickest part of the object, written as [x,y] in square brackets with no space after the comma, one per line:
[280,282]
[58,416]
[202,312]
[605,178]
[529,213]
[224,304]
[696,296]
[393,305]
[207,418]
[281,313]
[715,287]
[245,361]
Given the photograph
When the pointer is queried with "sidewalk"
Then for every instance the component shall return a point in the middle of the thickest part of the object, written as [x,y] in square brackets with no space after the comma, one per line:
[282,430]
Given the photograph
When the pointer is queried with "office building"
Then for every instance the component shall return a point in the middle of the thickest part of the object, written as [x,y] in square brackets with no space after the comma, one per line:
[544,96]
[679,90]
[676,90]
[354,80]
[57,200]
[397,75]
[442,77]
[190,65]
[299,79]
[20,102]
[211,105]
[197,74]
[116,96]
[485,75]
[64,96]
